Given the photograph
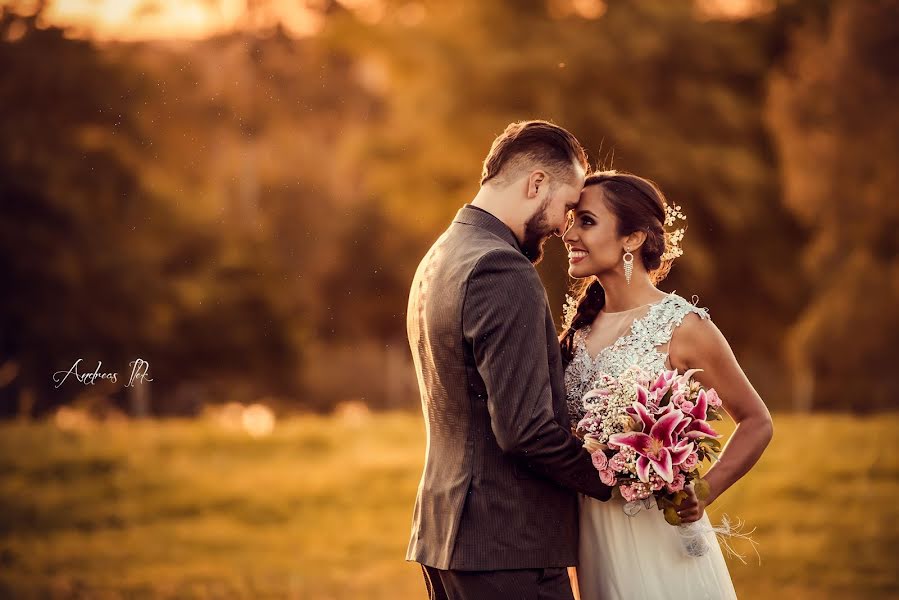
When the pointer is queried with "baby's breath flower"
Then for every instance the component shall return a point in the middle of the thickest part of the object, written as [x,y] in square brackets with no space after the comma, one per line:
[569,311]
[673,213]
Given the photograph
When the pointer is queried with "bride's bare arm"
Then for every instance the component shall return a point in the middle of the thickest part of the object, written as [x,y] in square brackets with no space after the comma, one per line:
[699,344]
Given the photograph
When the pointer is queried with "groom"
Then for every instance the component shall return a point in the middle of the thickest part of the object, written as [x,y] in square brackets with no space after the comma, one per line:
[496,512]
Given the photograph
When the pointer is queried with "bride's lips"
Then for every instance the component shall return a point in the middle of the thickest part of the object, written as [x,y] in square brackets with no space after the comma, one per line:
[576,255]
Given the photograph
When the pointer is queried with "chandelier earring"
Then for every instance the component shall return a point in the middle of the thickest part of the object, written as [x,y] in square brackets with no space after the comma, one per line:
[628,265]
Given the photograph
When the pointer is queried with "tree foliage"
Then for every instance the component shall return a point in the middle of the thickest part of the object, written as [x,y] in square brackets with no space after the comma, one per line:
[247,211]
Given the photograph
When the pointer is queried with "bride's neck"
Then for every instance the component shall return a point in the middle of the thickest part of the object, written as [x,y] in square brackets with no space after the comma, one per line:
[621,297]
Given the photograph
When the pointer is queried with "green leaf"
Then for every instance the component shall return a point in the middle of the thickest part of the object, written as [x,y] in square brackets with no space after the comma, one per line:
[702,489]
[671,516]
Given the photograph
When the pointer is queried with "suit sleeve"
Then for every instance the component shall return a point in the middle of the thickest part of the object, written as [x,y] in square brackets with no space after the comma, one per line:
[503,318]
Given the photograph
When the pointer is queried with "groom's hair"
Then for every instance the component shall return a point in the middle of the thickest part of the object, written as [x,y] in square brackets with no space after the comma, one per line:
[534,144]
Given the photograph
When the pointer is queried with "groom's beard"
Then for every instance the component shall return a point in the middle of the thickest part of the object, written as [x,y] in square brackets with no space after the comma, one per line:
[536,232]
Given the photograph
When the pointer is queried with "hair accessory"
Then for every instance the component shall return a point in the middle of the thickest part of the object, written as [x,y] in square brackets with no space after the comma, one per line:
[569,311]
[673,238]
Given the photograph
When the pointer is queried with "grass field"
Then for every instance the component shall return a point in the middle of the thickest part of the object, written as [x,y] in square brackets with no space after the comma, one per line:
[321,509]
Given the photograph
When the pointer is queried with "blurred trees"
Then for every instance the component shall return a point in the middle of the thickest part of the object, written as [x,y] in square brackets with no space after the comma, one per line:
[647,87]
[836,123]
[247,211]
[101,264]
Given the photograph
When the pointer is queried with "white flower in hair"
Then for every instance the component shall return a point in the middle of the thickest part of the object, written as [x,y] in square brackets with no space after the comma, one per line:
[569,311]
[673,213]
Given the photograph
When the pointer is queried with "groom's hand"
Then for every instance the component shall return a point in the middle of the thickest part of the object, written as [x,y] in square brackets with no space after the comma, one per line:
[691,508]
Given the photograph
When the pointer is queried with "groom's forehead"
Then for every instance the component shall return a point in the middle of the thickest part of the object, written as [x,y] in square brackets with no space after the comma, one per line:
[580,175]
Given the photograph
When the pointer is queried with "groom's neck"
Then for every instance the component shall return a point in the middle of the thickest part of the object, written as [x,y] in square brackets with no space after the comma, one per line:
[500,203]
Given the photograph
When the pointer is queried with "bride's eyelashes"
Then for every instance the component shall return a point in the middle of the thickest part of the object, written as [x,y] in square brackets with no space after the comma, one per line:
[582,221]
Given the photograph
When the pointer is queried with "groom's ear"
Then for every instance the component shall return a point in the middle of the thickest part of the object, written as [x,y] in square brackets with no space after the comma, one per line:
[537,182]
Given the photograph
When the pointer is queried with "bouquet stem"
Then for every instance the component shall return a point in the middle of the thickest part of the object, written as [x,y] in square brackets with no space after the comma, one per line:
[693,538]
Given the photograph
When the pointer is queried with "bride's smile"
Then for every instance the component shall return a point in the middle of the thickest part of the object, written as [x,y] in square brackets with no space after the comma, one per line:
[576,255]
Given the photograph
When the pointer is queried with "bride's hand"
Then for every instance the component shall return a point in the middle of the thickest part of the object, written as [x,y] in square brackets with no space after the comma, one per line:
[691,508]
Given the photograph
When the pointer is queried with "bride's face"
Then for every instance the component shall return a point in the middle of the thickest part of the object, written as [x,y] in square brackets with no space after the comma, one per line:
[592,240]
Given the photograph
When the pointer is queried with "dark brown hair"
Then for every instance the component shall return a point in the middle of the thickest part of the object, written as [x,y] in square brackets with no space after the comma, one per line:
[538,143]
[638,205]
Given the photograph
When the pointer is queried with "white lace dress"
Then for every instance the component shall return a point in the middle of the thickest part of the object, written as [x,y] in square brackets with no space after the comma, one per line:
[639,557]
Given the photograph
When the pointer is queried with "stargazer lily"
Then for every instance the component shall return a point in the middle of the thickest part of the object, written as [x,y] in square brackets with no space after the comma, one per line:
[655,449]
[663,383]
[649,399]
[699,427]
[682,382]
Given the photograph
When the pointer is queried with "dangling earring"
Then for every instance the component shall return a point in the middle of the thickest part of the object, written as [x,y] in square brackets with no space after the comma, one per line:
[628,265]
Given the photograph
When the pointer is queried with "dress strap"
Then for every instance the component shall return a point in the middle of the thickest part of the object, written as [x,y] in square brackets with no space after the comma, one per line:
[669,315]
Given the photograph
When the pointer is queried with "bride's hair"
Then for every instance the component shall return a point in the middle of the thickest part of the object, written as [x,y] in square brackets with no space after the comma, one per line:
[639,205]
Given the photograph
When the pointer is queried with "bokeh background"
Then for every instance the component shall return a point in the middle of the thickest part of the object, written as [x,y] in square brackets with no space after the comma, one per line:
[238,192]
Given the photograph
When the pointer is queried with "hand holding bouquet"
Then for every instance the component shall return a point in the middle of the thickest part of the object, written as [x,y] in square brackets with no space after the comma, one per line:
[649,434]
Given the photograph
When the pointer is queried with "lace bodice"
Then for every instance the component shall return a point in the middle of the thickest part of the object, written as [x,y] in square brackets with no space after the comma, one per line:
[639,346]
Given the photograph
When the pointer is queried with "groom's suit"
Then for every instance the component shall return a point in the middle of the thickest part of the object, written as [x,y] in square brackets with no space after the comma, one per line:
[502,468]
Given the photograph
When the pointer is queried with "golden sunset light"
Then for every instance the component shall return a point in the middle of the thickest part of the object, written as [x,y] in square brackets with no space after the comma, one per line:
[132,20]
[285,317]
[129,20]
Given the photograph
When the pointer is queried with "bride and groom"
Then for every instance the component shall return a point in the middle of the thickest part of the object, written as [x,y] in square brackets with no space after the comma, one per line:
[509,498]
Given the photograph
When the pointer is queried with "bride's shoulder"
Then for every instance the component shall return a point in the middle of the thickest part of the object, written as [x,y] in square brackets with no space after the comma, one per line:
[681,309]
[696,336]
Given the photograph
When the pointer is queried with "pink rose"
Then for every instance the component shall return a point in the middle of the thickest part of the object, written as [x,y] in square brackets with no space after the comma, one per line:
[712,398]
[635,491]
[607,476]
[599,460]
[678,483]
[686,406]
[690,462]
[617,463]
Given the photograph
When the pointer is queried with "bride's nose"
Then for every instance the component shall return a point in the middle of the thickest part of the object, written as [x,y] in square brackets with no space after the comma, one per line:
[569,236]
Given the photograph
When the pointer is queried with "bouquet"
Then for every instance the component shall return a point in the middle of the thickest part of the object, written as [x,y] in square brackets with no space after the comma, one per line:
[648,435]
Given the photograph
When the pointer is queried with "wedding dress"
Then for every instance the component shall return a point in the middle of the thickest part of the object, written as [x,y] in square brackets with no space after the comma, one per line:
[638,557]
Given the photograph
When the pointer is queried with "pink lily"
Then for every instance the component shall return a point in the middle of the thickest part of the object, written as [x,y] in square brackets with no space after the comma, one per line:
[657,448]
[699,427]
[663,383]
[646,399]
[681,383]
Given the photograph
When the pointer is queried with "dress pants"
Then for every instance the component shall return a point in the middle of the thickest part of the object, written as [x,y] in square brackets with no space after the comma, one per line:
[515,584]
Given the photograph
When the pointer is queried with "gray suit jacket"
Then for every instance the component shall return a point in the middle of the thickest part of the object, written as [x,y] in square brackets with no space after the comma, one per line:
[502,468]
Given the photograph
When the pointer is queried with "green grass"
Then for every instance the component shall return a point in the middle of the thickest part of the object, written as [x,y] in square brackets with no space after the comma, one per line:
[321,509]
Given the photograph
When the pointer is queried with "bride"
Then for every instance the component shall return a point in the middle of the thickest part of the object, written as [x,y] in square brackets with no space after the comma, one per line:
[619,249]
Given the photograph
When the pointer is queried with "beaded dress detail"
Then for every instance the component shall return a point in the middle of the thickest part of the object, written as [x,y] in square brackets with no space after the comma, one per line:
[640,347]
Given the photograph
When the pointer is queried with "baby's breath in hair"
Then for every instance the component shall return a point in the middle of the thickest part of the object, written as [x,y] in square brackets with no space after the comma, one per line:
[569,311]
[673,213]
